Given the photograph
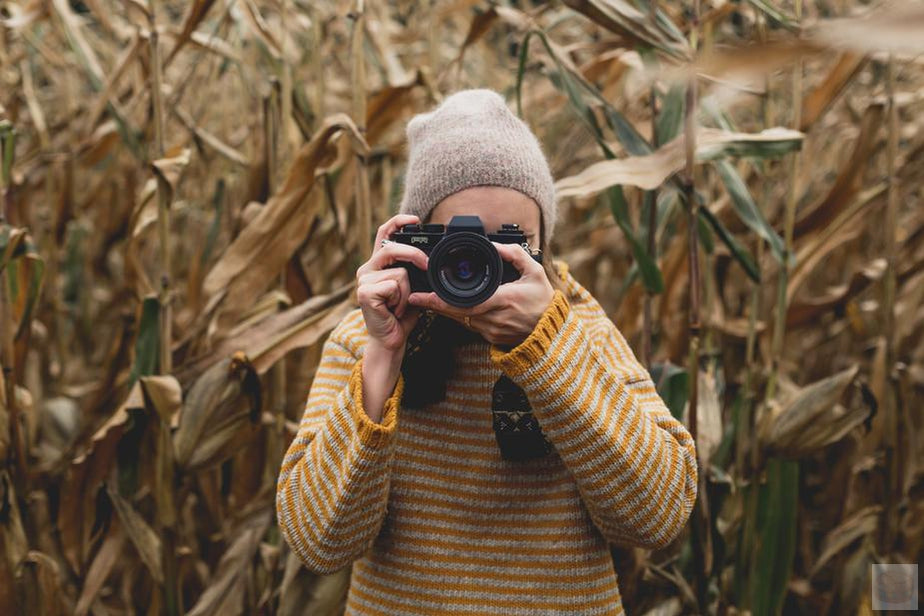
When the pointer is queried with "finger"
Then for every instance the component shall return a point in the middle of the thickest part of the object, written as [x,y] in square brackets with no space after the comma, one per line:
[519,258]
[399,275]
[379,293]
[392,253]
[432,301]
[390,226]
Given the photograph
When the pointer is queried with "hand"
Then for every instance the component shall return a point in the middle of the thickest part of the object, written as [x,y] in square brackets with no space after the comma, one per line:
[383,292]
[509,316]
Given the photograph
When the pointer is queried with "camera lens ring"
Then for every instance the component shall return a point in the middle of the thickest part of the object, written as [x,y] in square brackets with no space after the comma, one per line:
[485,254]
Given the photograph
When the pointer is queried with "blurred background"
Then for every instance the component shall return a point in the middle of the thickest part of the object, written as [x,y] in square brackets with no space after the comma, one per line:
[188,187]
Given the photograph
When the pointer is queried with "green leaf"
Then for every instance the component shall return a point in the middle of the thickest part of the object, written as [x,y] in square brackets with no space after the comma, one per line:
[626,133]
[741,254]
[630,23]
[747,210]
[651,274]
[7,151]
[670,119]
[573,85]
[776,15]
[34,267]
[147,347]
[705,235]
[777,543]
[673,385]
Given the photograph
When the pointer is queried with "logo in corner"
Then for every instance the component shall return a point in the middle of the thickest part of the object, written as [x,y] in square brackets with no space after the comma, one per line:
[895,586]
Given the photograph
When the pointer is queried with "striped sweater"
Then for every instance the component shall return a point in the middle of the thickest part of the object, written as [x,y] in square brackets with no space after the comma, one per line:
[438,523]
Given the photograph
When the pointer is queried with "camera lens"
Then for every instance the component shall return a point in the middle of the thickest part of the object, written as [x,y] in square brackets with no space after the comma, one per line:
[465,269]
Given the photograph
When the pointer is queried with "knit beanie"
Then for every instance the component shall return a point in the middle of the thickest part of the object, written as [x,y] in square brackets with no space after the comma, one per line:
[474,139]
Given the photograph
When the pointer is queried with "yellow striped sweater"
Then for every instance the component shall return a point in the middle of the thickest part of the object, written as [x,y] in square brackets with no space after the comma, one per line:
[438,523]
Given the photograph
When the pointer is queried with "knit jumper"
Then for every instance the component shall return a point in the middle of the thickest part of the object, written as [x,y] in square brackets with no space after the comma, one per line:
[438,522]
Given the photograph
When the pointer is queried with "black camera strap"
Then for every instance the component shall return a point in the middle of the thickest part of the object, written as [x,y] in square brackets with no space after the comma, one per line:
[428,364]
[516,428]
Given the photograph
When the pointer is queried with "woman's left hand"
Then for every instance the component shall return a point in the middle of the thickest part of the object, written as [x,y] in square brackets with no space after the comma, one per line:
[511,314]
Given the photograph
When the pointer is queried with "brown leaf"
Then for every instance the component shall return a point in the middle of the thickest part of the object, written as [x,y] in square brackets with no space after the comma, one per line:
[225,592]
[83,478]
[302,334]
[100,568]
[168,169]
[849,179]
[861,523]
[709,428]
[819,100]
[623,18]
[812,418]
[251,337]
[303,592]
[196,12]
[223,401]
[254,259]
[652,170]
[894,27]
[389,105]
[145,540]
[807,312]
[41,583]
[162,393]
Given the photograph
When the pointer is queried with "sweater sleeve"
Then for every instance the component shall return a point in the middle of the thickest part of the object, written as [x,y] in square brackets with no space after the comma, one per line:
[634,463]
[332,490]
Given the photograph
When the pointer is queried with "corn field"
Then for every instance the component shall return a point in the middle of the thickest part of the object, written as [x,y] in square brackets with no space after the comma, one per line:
[188,188]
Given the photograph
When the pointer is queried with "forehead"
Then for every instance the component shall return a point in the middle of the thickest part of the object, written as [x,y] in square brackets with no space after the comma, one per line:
[495,206]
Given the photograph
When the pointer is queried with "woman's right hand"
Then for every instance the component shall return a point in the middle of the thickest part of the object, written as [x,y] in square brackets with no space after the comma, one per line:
[383,292]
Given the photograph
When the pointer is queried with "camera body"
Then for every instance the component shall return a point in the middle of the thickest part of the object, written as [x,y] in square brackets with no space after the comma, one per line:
[465,268]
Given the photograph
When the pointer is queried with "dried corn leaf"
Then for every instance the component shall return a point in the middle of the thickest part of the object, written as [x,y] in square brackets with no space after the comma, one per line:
[819,100]
[262,249]
[225,592]
[41,585]
[85,476]
[145,540]
[813,418]
[651,171]
[103,563]
[862,523]
[623,18]
[223,401]
[162,393]
[196,12]
[894,27]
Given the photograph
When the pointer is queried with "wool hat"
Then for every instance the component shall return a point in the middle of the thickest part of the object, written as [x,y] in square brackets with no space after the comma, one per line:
[474,139]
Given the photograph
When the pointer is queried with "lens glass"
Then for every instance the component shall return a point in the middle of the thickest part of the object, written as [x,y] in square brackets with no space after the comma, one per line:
[464,269]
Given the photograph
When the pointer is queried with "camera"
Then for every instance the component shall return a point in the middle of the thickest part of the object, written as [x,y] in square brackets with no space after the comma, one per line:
[464,268]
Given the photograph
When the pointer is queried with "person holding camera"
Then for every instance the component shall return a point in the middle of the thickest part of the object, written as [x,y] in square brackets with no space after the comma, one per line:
[478,431]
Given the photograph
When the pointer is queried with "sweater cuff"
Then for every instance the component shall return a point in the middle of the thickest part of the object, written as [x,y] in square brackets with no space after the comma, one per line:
[520,358]
[372,433]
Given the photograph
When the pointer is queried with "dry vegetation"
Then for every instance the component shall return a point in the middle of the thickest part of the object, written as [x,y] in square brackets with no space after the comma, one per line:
[187,188]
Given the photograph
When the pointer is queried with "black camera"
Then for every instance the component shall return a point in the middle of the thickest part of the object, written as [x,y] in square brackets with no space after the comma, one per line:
[465,268]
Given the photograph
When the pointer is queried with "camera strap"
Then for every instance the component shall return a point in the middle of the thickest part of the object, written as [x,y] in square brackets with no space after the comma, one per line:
[516,428]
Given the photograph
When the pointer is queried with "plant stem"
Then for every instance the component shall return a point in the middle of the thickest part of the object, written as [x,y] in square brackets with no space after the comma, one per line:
[782,303]
[364,208]
[889,519]
[166,512]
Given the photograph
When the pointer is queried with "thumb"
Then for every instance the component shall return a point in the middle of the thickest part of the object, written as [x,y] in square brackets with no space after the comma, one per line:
[519,258]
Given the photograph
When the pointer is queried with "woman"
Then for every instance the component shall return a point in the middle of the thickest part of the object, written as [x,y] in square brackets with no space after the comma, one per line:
[406,461]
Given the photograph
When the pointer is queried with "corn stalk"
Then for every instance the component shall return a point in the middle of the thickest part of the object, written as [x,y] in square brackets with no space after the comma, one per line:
[166,507]
[363,201]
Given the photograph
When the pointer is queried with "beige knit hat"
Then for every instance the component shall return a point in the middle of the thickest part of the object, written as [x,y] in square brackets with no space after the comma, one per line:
[473,139]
